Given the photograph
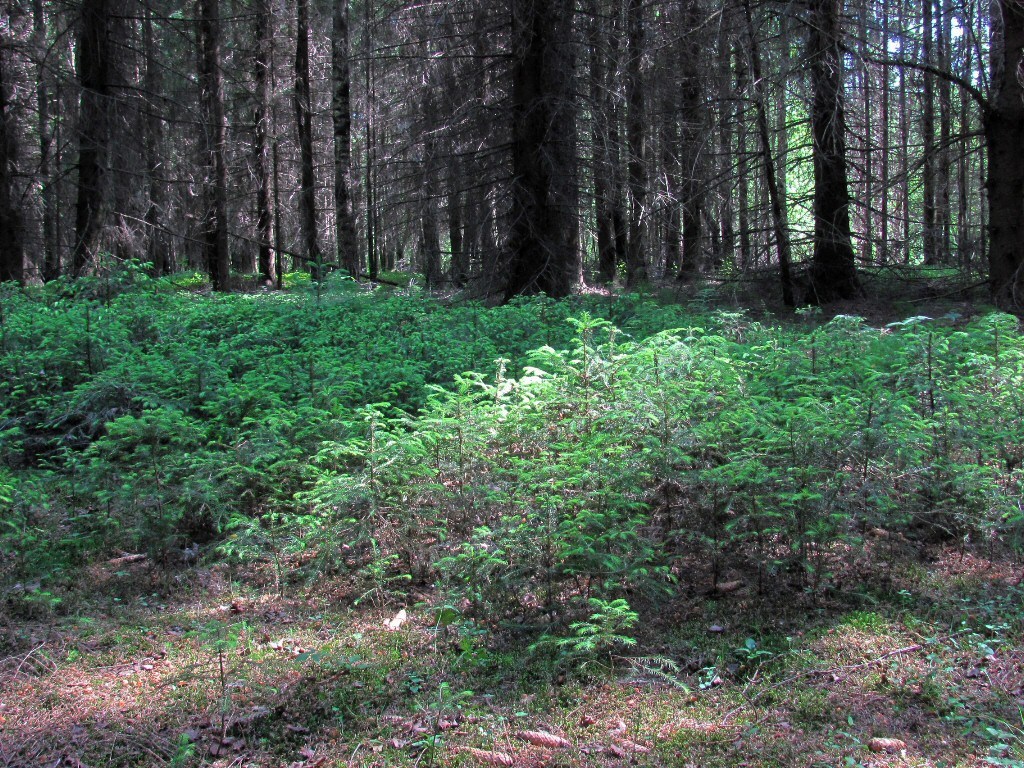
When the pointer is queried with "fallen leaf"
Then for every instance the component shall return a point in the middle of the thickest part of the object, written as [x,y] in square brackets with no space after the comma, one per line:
[544,739]
[396,623]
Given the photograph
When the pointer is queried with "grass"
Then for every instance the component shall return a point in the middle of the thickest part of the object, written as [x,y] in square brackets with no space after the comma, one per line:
[206,668]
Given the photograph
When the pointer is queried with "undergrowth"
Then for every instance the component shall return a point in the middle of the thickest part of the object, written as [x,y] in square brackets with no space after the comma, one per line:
[530,461]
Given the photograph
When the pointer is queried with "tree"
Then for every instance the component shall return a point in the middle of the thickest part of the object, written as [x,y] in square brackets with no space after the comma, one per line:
[636,138]
[1003,120]
[94,69]
[12,255]
[833,270]
[779,225]
[211,83]
[341,111]
[158,251]
[262,64]
[304,126]
[543,254]
[51,256]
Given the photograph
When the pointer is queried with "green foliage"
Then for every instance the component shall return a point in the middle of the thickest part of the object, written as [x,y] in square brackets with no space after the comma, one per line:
[605,630]
[1007,743]
[529,459]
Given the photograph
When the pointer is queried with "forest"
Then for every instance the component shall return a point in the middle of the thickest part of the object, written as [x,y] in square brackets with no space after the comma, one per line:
[591,383]
[507,149]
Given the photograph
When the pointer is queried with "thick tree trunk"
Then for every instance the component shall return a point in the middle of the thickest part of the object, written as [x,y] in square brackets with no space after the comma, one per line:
[1004,133]
[304,127]
[211,83]
[93,66]
[341,110]
[544,237]
[833,271]
[12,253]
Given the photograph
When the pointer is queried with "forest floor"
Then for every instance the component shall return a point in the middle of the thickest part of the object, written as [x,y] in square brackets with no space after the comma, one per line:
[916,661]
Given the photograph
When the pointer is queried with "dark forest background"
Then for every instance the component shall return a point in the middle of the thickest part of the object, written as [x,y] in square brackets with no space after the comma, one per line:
[520,147]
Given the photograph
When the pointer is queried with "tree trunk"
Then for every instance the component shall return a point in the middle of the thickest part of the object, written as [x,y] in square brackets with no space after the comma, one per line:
[671,170]
[341,110]
[430,236]
[370,152]
[51,256]
[93,66]
[693,128]
[604,170]
[929,231]
[304,127]
[458,269]
[12,253]
[779,225]
[543,241]
[636,139]
[883,228]
[833,270]
[742,164]
[211,83]
[261,118]
[1004,133]
[944,161]
[157,251]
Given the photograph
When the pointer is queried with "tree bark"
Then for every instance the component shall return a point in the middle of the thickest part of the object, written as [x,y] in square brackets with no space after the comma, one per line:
[51,256]
[636,139]
[304,127]
[1004,134]
[261,118]
[93,66]
[779,225]
[693,127]
[544,237]
[341,110]
[158,252]
[458,269]
[833,270]
[12,252]
[211,83]
[604,170]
